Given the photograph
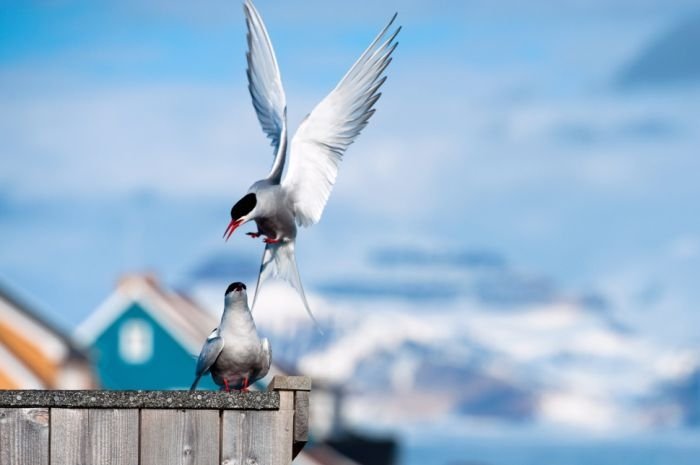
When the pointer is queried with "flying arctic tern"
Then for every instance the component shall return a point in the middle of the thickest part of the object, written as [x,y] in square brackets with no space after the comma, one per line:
[278,203]
[233,353]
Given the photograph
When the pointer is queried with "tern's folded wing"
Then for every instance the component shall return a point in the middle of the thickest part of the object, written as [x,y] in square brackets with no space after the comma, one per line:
[210,352]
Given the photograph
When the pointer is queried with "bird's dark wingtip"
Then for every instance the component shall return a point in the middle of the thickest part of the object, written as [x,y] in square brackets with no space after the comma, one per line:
[194,385]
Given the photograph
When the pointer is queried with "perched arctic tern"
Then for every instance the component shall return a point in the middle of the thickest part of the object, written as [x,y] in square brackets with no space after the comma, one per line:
[233,353]
[276,203]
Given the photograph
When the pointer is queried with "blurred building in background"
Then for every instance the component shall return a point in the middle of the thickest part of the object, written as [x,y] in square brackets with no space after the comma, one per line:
[35,354]
[144,337]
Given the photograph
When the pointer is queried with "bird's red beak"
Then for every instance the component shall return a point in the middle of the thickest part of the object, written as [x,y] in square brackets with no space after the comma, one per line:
[231,227]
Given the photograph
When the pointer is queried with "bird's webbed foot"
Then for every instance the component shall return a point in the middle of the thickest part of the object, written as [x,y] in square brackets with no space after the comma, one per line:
[254,235]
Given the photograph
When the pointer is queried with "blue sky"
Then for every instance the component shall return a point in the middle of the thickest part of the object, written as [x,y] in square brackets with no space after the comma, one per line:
[127,132]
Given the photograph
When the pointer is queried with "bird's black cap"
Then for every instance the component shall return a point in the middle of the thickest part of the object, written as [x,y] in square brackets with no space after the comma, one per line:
[244,206]
[235,287]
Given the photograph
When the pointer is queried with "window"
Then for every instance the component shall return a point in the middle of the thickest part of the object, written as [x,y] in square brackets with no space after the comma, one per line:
[135,341]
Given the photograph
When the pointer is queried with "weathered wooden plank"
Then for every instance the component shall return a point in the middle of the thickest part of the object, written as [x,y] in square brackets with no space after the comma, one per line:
[180,437]
[294,395]
[69,436]
[114,436]
[286,400]
[301,416]
[257,437]
[208,400]
[107,427]
[24,436]
[290,383]
[94,437]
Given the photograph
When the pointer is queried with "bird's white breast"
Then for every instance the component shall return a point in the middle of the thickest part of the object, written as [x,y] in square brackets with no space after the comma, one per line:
[274,213]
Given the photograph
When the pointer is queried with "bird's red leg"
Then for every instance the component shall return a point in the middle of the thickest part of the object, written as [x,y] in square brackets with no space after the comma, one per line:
[245,384]
[253,234]
[226,386]
[267,240]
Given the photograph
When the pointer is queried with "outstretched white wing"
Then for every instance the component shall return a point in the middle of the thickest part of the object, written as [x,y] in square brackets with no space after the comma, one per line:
[325,134]
[265,85]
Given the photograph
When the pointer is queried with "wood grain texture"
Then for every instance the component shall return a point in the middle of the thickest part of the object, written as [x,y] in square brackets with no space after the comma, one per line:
[290,383]
[180,437]
[286,400]
[155,427]
[24,436]
[94,437]
[301,416]
[257,437]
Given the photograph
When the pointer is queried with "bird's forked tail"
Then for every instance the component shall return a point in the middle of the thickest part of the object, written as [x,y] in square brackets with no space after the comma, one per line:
[279,261]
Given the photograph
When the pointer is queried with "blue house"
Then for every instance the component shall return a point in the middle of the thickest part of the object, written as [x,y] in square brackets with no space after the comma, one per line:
[146,337]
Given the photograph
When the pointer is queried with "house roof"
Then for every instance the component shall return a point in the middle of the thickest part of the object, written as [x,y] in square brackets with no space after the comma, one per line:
[188,323]
[33,351]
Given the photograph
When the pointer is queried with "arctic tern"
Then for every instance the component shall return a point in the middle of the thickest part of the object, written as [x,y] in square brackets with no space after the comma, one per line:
[278,203]
[233,353]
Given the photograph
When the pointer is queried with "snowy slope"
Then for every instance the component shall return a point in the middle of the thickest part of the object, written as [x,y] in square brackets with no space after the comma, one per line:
[537,356]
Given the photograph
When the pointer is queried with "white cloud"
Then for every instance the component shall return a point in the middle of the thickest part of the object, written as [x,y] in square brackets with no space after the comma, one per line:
[171,139]
[575,410]
[685,248]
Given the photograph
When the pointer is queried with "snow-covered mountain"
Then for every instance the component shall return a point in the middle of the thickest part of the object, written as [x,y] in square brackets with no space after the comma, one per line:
[451,338]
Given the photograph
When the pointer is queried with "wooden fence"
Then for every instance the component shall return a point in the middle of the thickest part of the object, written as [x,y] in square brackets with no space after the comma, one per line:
[155,427]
